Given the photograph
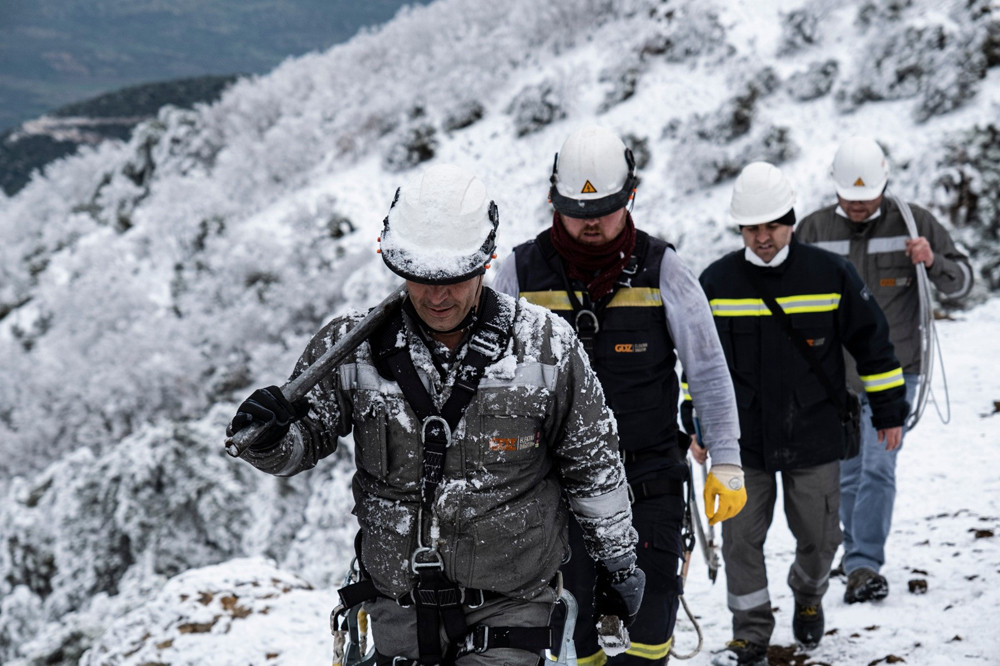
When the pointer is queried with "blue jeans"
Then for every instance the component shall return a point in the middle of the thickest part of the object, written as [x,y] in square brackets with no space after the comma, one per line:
[867,493]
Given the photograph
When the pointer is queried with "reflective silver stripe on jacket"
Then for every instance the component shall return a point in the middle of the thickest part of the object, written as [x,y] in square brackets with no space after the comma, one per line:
[536,375]
[366,377]
[882,245]
[602,505]
[841,247]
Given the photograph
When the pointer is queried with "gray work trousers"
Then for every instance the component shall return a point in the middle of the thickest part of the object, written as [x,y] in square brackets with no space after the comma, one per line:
[394,627]
[812,503]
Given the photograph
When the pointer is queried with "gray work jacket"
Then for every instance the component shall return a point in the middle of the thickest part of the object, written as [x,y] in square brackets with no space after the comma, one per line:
[878,251]
[536,434]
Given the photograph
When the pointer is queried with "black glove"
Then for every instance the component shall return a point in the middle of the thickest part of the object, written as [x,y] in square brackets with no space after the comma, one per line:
[269,408]
[618,592]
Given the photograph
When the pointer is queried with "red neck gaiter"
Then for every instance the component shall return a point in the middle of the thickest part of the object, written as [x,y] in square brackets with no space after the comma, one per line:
[597,266]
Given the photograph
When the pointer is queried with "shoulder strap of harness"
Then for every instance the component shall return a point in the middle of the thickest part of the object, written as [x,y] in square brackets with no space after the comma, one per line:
[438,601]
[587,314]
[490,336]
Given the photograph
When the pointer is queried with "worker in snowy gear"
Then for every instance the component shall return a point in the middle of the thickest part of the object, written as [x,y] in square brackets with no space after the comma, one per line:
[475,419]
[785,312]
[637,308]
[868,229]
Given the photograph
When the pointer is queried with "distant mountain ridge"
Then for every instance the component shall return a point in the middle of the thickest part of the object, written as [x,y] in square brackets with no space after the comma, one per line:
[109,116]
[53,52]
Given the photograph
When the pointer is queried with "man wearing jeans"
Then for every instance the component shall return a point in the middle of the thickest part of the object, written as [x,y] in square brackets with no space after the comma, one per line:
[869,230]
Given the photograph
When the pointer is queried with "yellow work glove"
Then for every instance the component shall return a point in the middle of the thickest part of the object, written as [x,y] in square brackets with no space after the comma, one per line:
[724,483]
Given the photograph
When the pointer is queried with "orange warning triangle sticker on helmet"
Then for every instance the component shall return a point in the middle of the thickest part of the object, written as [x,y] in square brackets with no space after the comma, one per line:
[859,182]
[588,188]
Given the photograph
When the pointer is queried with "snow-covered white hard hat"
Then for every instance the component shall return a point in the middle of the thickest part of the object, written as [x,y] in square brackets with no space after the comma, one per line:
[860,170]
[593,174]
[761,195]
[441,227]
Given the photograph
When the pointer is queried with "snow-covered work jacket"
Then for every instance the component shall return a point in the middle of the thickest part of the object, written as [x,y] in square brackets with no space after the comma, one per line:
[537,426]
[635,350]
[877,250]
[787,420]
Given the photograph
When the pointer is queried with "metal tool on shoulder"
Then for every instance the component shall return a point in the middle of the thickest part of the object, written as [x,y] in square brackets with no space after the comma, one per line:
[297,388]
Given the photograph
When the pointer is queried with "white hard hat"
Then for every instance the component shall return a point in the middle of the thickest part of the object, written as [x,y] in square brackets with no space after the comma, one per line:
[593,174]
[441,227]
[860,170]
[761,194]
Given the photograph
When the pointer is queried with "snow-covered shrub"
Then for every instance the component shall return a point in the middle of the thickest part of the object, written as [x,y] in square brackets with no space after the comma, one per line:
[683,32]
[159,503]
[417,143]
[935,61]
[731,120]
[967,187]
[536,106]
[621,83]
[799,29]
[814,82]
[708,163]
[462,116]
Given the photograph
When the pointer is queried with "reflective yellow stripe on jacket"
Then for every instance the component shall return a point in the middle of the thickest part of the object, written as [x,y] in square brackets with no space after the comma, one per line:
[756,307]
[626,297]
[883,381]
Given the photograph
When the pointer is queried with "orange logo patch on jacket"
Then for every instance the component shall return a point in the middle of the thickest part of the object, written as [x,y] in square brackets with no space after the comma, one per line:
[515,443]
[630,348]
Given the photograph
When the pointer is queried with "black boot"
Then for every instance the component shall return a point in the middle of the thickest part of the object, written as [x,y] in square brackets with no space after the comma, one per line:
[808,624]
[739,652]
[865,585]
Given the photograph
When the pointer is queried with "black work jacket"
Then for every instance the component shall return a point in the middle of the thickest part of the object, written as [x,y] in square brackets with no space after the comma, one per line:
[632,353]
[787,420]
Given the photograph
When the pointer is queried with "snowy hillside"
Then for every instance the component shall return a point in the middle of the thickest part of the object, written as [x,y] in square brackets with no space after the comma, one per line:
[146,287]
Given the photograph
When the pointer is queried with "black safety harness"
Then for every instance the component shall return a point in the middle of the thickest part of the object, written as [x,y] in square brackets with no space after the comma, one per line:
[587,314]
[587,318]
[439,601]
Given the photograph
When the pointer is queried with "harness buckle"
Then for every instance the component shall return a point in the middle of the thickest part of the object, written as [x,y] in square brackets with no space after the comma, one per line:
[435,420]
[480,638]
[418,561]
[587,315]
[472,605]
[485,346]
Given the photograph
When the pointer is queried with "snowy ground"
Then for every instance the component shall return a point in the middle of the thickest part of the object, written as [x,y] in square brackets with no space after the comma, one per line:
[947,511]
[247,612]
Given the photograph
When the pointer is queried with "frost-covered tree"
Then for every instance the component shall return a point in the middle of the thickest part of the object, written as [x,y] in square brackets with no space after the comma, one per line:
[937,60]
[968,189]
